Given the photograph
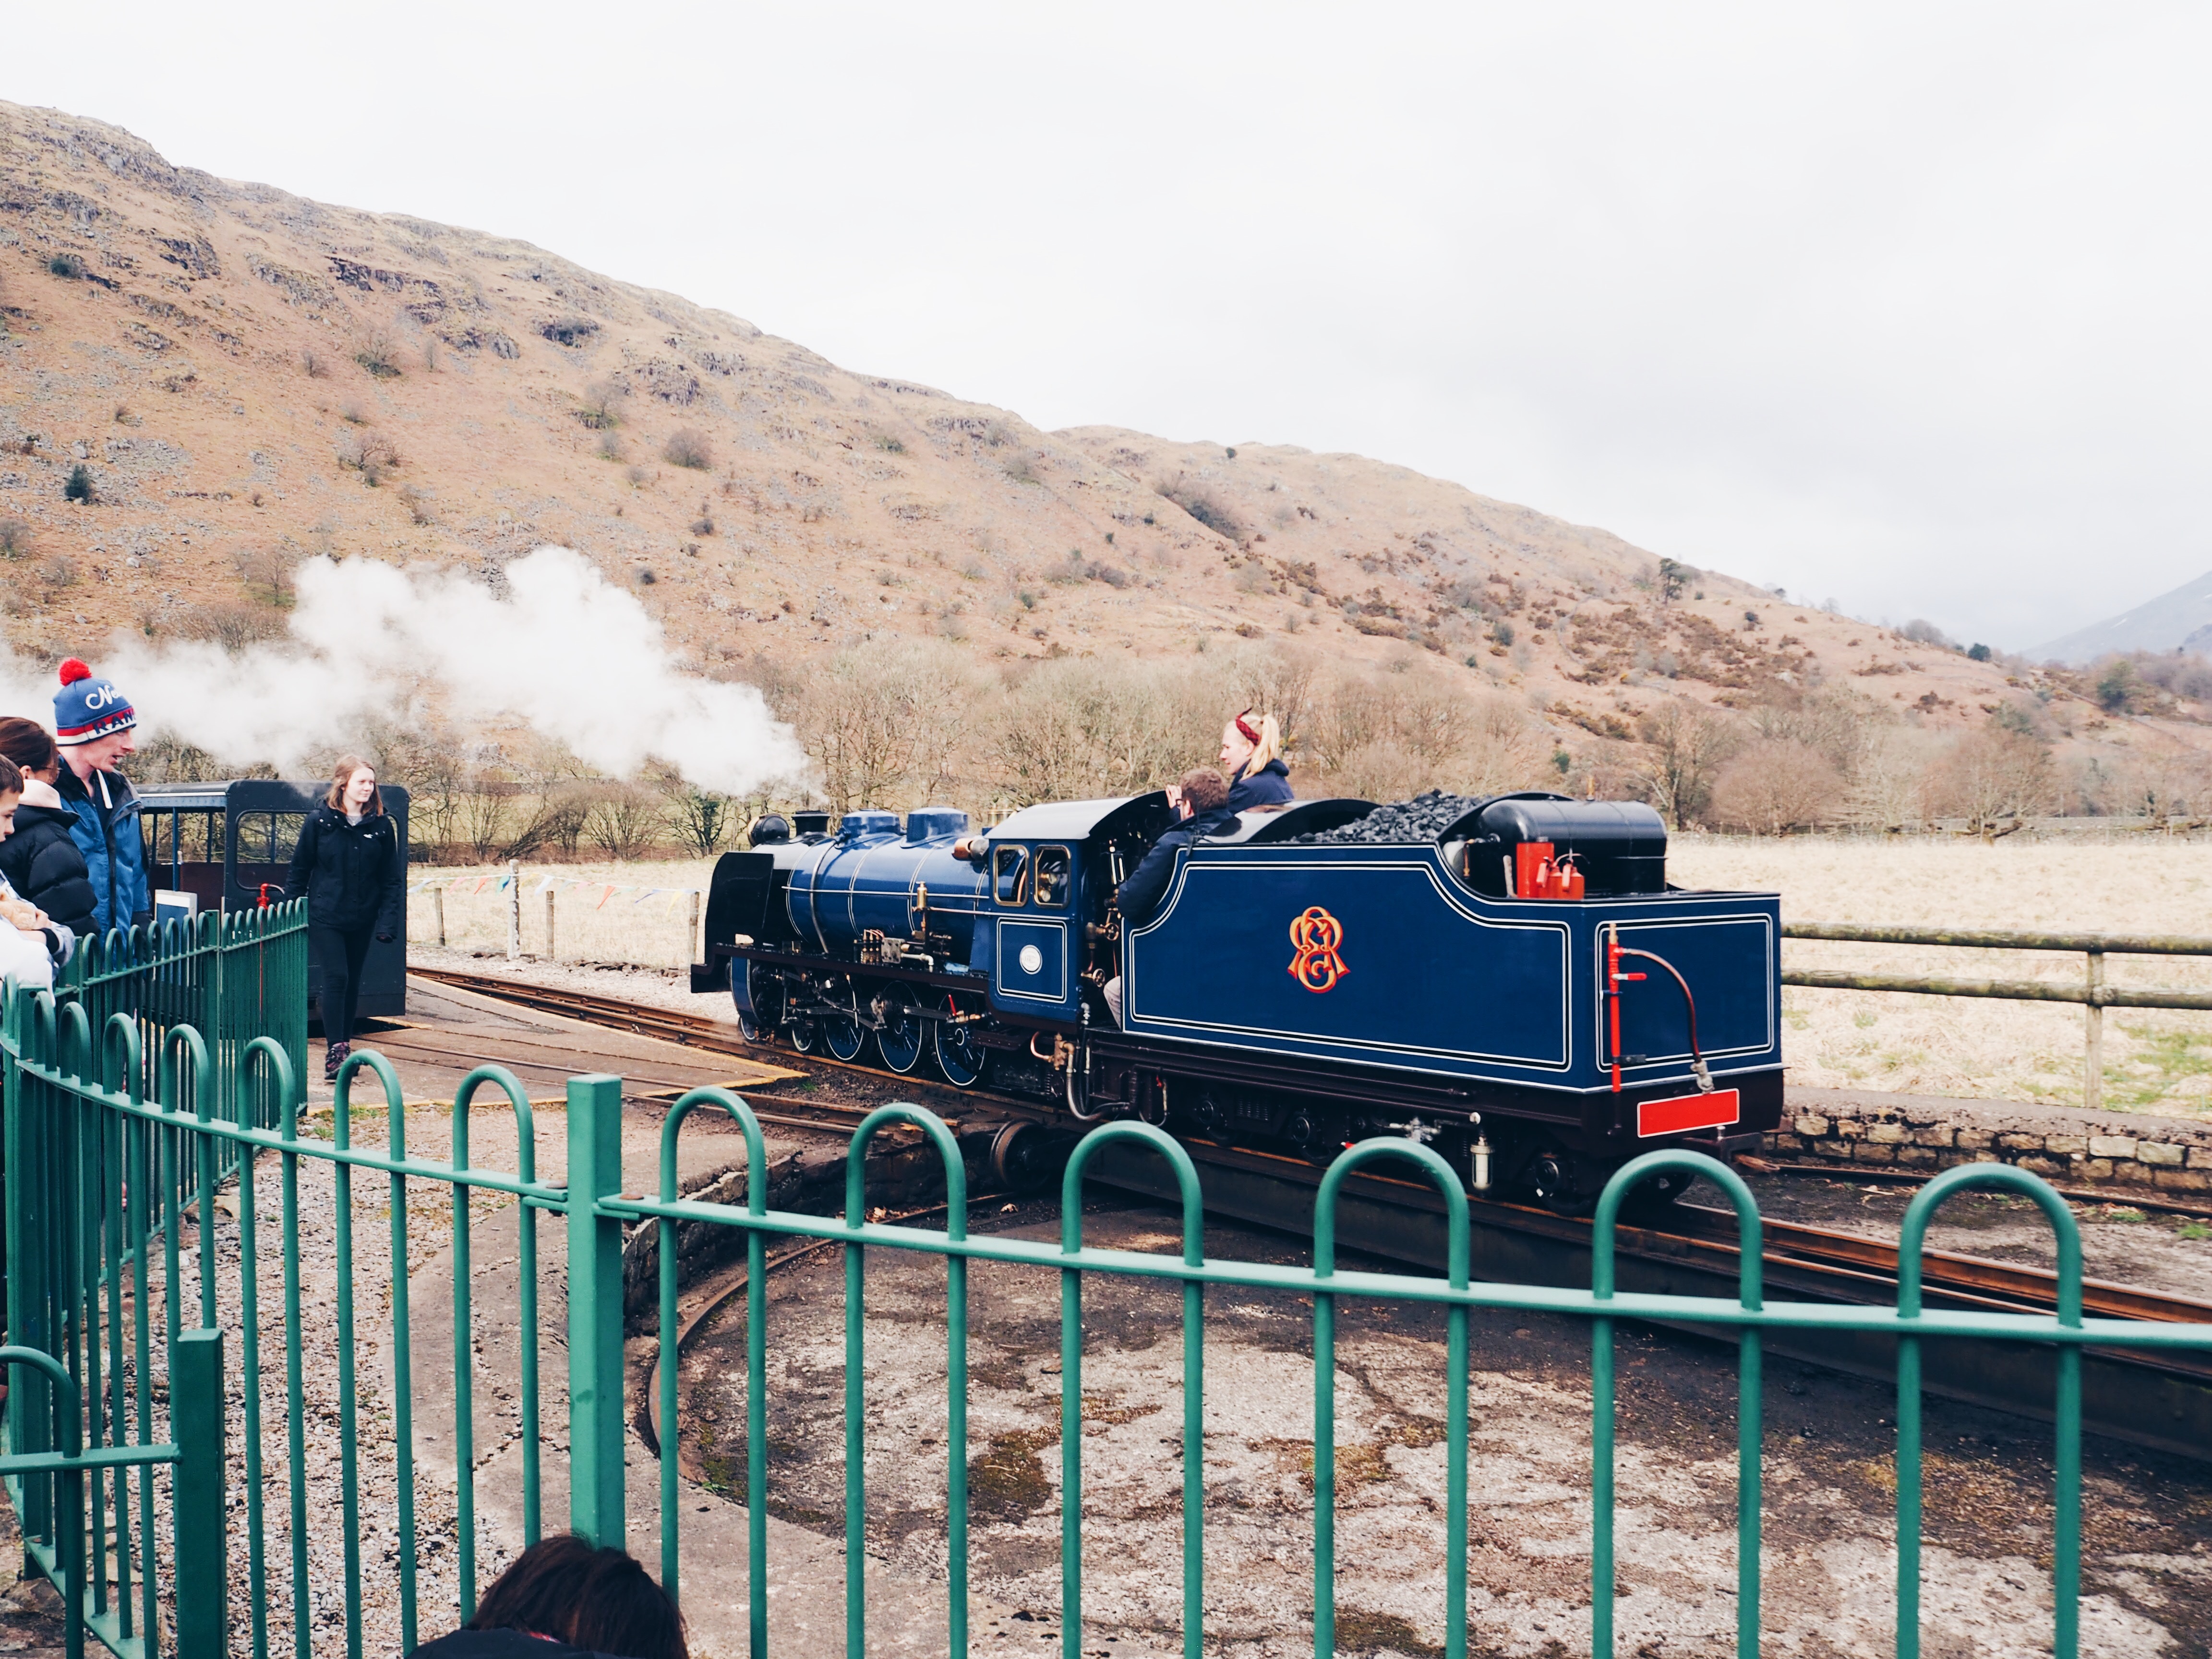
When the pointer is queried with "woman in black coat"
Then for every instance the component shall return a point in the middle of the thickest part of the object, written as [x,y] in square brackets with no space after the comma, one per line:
[348,868]
[41,861]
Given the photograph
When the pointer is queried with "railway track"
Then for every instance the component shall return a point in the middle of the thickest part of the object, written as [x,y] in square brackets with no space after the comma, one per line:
[2165,1402]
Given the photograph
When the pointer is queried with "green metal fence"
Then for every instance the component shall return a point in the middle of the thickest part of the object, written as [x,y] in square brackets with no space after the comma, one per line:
[93,1162]
[231,976]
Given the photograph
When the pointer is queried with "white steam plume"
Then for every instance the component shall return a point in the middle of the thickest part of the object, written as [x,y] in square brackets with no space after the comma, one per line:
[568,653]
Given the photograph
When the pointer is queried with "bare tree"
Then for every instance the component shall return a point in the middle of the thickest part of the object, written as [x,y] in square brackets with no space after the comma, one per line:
[1776,786]
[702,818]
[1685,743]
[624,820]
[1889,786]
[1991,775]
[484,815]
[881,725]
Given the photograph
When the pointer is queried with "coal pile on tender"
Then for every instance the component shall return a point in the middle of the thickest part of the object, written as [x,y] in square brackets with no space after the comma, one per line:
[1420,819]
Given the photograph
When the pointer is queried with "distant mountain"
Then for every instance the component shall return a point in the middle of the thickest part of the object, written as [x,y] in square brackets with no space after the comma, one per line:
[2172,622]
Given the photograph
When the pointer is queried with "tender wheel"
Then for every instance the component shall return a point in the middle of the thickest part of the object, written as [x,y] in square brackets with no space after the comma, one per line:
[904,1034]
[960,1056]
[1551,1178]
[765,987]
[843,1034]
[1653,1200]
[1025,1157]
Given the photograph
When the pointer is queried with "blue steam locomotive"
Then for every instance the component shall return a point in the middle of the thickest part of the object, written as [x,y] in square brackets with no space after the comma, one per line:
[1519,986]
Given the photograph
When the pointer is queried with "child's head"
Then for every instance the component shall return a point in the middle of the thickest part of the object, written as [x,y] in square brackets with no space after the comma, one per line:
[11,795]
[597,1599]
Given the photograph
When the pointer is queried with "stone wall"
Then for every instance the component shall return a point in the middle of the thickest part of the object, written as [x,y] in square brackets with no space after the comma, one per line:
[1926,1131]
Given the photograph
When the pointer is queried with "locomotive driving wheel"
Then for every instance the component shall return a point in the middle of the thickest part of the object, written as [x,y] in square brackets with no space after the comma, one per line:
[904,1033]
[764,988]
[960,1056]
[843,1034]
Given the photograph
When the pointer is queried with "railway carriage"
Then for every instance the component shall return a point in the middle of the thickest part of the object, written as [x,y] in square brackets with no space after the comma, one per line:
[1520,987]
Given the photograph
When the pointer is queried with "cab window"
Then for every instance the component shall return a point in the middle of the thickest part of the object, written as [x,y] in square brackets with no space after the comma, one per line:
[1053,882]
[269,837]
[1010,868]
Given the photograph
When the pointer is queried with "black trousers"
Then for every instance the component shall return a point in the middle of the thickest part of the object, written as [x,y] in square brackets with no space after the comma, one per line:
[338,954]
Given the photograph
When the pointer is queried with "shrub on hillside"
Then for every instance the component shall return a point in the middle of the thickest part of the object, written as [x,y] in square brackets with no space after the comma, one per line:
[79,487]
[380,356]
[687,446]
[67,265]
[234,624]
[15,538]
[597,410]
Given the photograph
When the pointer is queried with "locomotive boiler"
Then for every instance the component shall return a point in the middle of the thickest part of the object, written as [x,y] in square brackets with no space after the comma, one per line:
[1511,978]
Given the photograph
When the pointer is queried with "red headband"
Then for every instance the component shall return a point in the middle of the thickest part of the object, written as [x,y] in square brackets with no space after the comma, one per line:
[1250,736]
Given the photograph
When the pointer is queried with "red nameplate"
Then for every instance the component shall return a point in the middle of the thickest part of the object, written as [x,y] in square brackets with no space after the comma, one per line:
[1672,1117]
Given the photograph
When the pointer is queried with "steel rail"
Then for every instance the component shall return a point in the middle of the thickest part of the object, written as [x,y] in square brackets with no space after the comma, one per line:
[1854,1267]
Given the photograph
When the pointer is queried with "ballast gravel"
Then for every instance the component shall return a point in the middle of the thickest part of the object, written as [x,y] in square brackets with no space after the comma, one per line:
[375,1520]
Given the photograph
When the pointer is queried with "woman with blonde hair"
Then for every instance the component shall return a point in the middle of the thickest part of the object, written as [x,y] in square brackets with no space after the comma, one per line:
[1251,755]
[348,868]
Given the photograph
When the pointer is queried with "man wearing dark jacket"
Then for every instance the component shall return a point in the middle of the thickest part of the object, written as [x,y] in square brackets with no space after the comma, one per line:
[1203,798]
[92,723]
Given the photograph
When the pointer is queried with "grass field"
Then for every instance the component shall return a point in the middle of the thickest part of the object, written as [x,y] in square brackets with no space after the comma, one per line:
[589,923]
[2154,1061]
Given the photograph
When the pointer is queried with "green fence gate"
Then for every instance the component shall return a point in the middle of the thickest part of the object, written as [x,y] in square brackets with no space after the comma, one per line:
[104,1175]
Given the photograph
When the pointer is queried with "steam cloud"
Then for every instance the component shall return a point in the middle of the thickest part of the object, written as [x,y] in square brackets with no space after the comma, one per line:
[575,658]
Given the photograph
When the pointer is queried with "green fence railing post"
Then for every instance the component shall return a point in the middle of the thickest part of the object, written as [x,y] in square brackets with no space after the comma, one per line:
[595,1311]
[202,1549]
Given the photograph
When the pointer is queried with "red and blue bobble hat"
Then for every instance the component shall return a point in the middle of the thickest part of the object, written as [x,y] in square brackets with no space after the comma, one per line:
[86,707]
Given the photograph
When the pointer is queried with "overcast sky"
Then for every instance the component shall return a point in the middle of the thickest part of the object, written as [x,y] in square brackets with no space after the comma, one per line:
[1905,305]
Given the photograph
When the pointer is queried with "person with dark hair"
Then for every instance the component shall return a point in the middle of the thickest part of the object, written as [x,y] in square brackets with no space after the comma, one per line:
[347,866]
[92,723]
[564,1597]
[31,946]
[41,861]
[1202,800]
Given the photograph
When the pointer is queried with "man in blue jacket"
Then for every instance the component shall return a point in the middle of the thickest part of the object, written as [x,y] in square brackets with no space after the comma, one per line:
[1203,798]
[92,723]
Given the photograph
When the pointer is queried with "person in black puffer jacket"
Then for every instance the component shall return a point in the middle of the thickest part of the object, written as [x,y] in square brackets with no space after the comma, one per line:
[348,868]
[41,861]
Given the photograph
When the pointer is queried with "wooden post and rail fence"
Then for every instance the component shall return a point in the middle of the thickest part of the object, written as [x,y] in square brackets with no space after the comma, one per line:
[2094,993]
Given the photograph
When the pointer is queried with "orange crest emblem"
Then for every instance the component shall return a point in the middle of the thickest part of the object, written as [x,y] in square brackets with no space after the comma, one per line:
[1316,936]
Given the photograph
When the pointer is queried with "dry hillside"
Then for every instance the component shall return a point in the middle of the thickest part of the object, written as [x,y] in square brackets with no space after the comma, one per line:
[246,377]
